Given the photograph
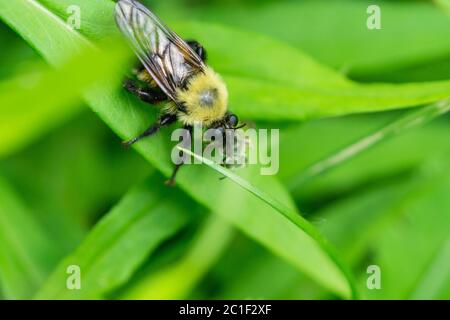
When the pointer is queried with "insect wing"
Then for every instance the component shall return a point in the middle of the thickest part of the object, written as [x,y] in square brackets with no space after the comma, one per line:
[168,59]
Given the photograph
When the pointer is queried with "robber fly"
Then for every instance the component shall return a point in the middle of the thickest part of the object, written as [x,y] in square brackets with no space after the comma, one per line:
[174,72]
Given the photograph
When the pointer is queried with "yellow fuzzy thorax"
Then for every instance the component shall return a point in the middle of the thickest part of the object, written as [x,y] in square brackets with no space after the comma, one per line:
[205,98]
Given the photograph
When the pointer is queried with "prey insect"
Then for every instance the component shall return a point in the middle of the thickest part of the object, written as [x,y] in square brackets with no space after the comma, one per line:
[174,72]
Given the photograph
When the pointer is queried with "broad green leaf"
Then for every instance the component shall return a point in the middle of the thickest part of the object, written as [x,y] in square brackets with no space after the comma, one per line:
[27,254]
[270,80]
[248,213]
[258,99]
[412,33]
[121,241]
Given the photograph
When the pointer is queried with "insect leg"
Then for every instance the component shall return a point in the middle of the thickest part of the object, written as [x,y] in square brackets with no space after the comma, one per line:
[171,181]
[145,94]
[164,120]
[198,49]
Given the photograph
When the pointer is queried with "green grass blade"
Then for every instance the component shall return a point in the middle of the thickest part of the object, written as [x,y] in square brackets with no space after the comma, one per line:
[288,213]
[27,255]
[121,241]
[317,140]
[408,121]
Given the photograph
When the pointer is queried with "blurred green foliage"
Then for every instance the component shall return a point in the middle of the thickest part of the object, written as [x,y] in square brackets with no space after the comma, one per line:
[69,194]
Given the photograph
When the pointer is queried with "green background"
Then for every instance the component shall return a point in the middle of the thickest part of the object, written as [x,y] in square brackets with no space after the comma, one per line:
[364,156]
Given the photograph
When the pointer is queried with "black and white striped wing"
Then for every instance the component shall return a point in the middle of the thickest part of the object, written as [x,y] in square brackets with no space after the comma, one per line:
[168,59]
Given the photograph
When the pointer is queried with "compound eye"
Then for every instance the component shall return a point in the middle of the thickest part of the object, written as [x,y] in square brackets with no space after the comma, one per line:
[233,120]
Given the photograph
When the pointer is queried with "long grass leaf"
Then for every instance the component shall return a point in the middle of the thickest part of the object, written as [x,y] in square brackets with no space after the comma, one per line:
[408,121]
[120,242]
